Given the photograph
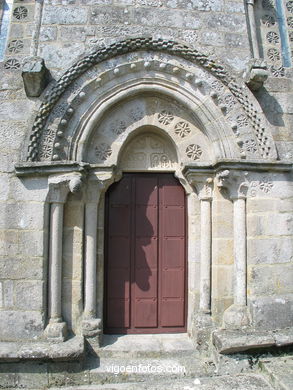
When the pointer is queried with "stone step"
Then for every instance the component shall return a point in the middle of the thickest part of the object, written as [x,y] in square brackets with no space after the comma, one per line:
[240,382]
[152,346]
[279,371]
[115,370]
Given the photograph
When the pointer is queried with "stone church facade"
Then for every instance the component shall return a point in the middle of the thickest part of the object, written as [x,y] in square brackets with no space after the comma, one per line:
[95,92]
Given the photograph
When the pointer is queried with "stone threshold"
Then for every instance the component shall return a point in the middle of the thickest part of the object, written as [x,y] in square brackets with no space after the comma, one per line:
[73,349]
[233,341]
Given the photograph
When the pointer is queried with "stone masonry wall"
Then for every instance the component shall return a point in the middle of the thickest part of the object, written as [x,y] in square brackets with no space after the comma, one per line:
[68,30]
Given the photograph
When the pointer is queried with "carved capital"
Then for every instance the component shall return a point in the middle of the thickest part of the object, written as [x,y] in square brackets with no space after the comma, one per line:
[236,183]
[98,183]
[61,185]
[203,184]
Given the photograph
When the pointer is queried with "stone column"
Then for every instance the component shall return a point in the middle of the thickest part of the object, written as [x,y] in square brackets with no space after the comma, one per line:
[252,28]
[98,183]
[59,189]
[240,266]
[237,315]
[205,255]
[204,188]
[202,322]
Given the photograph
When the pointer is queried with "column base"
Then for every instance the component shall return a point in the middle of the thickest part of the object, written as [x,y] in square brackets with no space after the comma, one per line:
[236,317]
[202,327]
[56,331]
[91,328]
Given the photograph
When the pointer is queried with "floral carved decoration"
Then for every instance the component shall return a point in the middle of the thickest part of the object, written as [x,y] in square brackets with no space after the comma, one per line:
[103,151]
[182,129]
[194,151]
[20,13]
[15,46]
[165,117]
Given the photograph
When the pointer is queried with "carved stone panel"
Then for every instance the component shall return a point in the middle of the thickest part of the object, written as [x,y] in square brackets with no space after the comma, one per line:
[152,132]
[148,152]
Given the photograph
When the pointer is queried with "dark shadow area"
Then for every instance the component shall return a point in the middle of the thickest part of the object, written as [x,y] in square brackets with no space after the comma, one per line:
[270,106]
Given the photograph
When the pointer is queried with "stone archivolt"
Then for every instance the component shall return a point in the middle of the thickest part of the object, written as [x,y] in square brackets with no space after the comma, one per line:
[164,67]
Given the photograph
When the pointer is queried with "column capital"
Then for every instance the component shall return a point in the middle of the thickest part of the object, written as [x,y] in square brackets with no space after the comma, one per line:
[235,182]
[61,185]
[203,184]
[98,182]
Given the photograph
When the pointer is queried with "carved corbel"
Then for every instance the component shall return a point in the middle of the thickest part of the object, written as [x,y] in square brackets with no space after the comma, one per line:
[234,182]
[203,184]
[36,76]
[256,74]
[61,185]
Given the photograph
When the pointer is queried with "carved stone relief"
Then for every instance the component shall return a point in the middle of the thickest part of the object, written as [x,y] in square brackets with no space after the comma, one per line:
[85,79]
[268,30]
[148,151]
[157,115]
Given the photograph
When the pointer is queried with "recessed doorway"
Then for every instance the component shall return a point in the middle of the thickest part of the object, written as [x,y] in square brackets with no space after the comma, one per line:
[145,255]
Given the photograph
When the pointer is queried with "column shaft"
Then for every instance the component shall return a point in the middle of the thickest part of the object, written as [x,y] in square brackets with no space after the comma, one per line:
[55,261]
[240,251]
[205,258]
[252,27]
[91,218]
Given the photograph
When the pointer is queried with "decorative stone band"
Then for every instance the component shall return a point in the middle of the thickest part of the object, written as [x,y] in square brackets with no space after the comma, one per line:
[149,44]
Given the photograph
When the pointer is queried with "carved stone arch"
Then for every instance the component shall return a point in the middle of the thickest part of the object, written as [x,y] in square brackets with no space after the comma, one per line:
[107,125]
[222,106]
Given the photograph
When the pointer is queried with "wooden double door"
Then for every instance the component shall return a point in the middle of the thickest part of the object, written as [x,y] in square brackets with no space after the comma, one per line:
[145,262]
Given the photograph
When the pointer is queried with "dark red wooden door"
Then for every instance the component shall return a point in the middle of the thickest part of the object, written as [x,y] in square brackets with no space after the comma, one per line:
[145,273]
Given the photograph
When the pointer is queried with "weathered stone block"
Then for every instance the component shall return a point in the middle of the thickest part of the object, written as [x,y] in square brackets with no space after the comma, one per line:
[8,294]
[4,187]
[272,312]
[9,245]
[32,243]
[73,215]
[222,226]
[56,332]
[48,33]
[222,279]
[236,40]
[15,325]
[270,279]
[231,341]
[223,251]
[29,295]
[166,18]
[226,22]
[213,38]
[261,225]
[16,111]
[35,76]
[61,56]
[12,139]
[269,251]
[30,189]
[22,215]
[67,374]
[21,268]
[76,33]
[64,15]
[29,375]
